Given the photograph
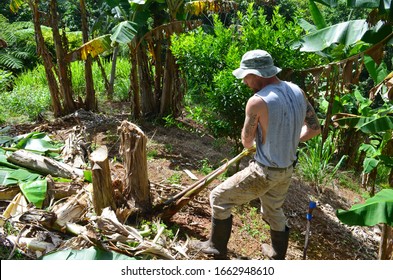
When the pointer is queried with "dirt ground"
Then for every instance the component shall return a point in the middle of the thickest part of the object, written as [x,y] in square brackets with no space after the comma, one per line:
[329,239]
[171,150]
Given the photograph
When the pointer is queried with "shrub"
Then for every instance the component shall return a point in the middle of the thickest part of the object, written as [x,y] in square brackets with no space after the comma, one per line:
[208,59]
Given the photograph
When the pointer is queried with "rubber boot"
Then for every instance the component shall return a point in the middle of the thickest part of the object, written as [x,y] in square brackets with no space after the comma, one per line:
[278,249]
[217,243]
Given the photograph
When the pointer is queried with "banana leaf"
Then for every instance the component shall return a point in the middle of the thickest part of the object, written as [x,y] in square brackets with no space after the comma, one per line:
[376,210]
[15,4]
[317,17]
[124,32]
[346,33]
[91,253]
[369,125]
[34,191]
[5,163]
[10,176]
[369,164]
[93,48]
[4,177]
[34,141]
[377,72]
[375,124]
[369,4]
[329,3]
[88,176]
[5,139]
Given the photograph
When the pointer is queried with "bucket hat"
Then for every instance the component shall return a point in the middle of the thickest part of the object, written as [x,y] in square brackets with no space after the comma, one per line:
[257,62]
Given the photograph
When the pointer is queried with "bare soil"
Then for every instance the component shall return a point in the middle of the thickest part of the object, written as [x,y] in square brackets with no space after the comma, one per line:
[171,150]
[329,239]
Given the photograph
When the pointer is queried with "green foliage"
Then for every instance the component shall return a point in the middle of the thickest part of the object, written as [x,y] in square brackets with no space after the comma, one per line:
[34,191]
[153,228]
[29,97]
[151,154]
[201,55]
[6,80]
[253,225]
[374,121]
[316,161]
[30,94]
[348,32]
[377,209]
[345,33]
[275,37]
[20,52]
[206,167]
[227,103]
[208,59]
[175,178]
[170,121]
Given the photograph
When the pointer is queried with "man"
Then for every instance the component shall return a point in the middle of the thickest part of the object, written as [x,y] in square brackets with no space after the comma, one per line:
[278,117]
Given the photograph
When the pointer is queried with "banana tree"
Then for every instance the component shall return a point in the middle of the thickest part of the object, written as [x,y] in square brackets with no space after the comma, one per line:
[58,75]
[347,34]
[345,45]
[377,127]
[156,82]
[376,210]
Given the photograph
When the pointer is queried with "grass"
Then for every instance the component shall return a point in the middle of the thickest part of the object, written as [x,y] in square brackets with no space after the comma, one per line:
[152,154]
[30,94]
[253,224]
[28,98]
[175,178]
[206,167]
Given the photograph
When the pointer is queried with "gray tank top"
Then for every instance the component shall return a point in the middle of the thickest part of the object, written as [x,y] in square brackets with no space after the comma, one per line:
[287,111]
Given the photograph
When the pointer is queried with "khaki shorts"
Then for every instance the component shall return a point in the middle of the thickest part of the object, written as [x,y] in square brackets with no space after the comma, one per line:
[255,181]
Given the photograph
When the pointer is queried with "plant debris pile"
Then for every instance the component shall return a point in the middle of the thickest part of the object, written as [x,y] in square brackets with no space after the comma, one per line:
[42,212]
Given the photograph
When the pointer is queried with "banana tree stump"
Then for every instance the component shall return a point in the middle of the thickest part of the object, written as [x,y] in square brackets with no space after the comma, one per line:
[133,150]
[103,192]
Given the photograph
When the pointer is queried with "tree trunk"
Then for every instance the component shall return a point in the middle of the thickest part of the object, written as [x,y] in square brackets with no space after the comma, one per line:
[384,253]
[90,102]
[134,83]
[148,103]
[64,80]
[103,193]
[167,92]
[47,61]
[389,246]
[159,73]
[113,73]
[133,150]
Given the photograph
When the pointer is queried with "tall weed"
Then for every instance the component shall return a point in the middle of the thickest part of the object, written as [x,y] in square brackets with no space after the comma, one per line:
[316,161]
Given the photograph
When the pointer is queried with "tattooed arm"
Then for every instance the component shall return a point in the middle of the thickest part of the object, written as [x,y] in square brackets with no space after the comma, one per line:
[311,125]
[254,109]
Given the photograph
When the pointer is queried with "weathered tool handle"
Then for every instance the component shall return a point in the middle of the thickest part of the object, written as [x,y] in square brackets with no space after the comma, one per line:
[175,203]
